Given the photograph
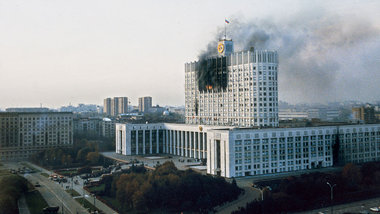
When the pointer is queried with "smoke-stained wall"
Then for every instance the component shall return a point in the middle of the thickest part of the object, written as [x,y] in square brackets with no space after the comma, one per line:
[212,74]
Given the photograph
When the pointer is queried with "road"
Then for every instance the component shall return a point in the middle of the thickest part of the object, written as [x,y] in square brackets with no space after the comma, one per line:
[249,195]
[79,188]
[52,192]
[354,207]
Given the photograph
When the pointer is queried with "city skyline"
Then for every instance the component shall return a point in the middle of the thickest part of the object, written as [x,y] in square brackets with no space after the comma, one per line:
[58,53]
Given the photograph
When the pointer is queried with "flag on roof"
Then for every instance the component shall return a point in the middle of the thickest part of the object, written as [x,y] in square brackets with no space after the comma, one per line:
[226,21]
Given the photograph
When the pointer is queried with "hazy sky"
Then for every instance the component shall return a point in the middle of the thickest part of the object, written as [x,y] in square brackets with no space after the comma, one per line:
[57,52]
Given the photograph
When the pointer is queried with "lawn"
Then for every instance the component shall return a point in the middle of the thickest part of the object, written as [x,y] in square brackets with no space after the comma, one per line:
[73,192]
[112,201]
[35,202]
[86,204]
[97,188]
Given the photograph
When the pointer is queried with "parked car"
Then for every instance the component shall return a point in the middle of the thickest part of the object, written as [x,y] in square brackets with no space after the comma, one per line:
[375,209]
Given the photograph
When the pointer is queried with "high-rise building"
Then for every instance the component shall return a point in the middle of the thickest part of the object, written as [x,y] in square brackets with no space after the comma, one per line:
[122,103]
[145,103]
[233,89]
[115,106]
[107,106]
[25,133]
[364,114]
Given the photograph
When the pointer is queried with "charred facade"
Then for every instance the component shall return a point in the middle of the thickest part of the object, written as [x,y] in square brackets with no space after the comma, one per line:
[212,74]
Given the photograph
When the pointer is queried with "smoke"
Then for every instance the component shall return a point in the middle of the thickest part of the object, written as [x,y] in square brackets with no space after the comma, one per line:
[320,57]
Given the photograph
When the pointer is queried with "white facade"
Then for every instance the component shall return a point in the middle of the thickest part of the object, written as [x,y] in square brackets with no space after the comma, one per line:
[359,143]
[249,99]
[245,152]
[234,152]
[177,139]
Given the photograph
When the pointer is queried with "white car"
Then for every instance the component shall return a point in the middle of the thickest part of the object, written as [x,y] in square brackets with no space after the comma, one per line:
[375,209]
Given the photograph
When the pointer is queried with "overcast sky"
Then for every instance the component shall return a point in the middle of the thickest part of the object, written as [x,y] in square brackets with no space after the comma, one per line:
[57,52]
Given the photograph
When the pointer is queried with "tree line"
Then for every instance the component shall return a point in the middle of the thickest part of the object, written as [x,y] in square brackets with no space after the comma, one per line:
[168,189]
[84,152]
[310,191]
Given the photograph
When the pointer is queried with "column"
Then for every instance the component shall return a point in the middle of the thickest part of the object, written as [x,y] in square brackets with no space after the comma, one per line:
[167,141]
[199,145]
[150,141]
[191,145]
[178,140]
[186,144]
[170,141]
[204,145]
[157,143]
[143,142]
[137,142]
[182,143]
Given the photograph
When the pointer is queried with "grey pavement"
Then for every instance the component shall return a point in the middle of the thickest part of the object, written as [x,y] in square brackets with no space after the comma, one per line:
[22,206]
[249,195]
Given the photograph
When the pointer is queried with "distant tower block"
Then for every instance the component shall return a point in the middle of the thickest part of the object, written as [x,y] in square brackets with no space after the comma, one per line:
[225,47]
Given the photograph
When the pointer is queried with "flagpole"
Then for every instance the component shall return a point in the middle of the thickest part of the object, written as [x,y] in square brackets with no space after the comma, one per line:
[225,29]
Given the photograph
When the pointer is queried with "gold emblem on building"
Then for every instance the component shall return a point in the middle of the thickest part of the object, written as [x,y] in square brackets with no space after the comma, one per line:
[220,47]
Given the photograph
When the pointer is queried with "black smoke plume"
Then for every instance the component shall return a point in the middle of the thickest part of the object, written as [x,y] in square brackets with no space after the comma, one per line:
[322,57]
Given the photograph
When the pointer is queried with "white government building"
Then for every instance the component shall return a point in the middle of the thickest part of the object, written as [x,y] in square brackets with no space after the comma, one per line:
[233,124]
[233,152]
[247,95]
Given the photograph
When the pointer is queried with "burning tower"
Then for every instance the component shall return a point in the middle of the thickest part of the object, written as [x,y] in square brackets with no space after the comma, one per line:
[233,88]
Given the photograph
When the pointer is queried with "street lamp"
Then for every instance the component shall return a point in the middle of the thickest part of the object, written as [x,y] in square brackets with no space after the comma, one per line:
[332,194]
[72,183]
[91,195]
[262,193]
